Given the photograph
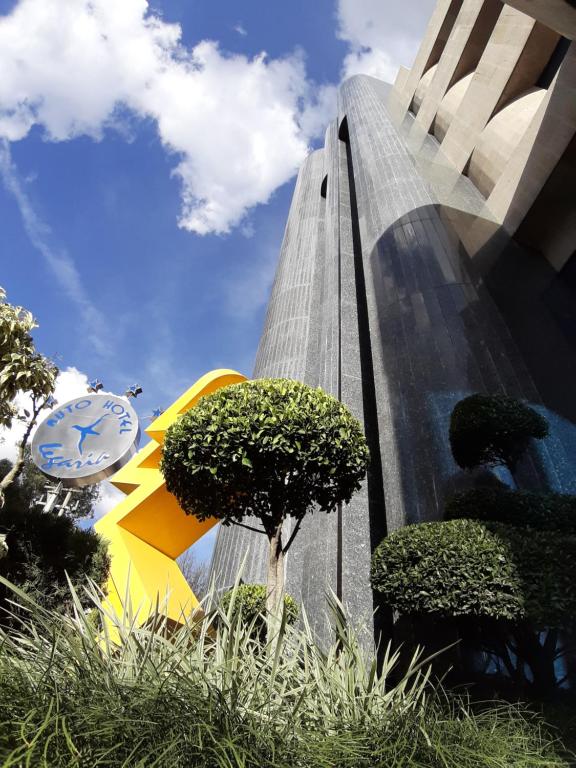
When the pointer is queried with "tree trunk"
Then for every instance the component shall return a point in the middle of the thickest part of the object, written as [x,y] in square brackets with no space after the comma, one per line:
[275,585]
[11,475]
[539,657]
[18,465]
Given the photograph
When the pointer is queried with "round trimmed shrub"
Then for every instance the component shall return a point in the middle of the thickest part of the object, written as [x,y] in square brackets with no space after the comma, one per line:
[268,448]
[494,430]
[250,601]
[469,568]
[522,509]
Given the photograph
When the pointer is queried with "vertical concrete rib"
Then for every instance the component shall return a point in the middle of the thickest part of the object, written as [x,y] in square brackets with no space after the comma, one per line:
[539,150]
[462,52]
[312,559]
[359,518]
[495,69]
[437,33]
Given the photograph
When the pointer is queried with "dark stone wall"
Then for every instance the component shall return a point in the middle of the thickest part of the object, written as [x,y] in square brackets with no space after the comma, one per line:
[380,299]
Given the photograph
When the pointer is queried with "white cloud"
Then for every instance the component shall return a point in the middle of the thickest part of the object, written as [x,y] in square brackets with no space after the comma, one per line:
[382,34]
[240,29]
[316,116]
[370,62]
[109,497]
[70,383]
[234,124]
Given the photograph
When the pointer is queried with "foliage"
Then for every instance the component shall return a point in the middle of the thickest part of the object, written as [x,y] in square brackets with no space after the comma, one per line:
[250,602]
[497,574]
[469,568]
[266,448]
[45,549]
[493,430]
[207,696]
[22,368]
[542,511]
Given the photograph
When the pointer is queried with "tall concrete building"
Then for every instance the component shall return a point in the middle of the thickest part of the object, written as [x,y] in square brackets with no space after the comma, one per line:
[430,254]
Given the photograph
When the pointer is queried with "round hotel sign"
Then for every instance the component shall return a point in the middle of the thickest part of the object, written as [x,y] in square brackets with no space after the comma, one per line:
[86,439]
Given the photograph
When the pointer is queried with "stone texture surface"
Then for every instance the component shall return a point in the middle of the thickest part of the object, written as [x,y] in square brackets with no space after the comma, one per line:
[433,336]
[288,348]
[498,94]
[556,14]
[500,138]
[399,291]
[450,104]
[539,150]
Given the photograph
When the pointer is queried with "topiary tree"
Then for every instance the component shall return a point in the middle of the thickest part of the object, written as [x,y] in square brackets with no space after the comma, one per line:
[500,567]
[471,568]
[519,580]
[494,430]
[250,603]
[264,451]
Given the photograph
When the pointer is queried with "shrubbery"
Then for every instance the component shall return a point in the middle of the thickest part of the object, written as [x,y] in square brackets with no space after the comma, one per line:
[469,568]
[208,696]
[251,448]
[499,572]
[455,568]
[250,604]
[44,549]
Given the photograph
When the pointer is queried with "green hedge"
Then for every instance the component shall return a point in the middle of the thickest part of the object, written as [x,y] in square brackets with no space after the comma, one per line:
[543,511]
[493,430]
[465,567]
[250,600]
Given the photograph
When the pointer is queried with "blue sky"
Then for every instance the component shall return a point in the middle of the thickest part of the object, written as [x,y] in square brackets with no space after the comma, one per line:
[147,159]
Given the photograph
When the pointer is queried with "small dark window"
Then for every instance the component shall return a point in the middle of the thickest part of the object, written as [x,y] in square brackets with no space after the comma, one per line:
[324,186]
[343,134]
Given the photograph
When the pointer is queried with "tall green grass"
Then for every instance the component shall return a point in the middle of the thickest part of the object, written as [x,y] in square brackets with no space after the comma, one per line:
[208,695]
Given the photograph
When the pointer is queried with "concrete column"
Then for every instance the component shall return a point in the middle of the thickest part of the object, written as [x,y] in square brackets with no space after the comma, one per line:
[435,336]
[540,149]
[559,15]
[461,54]
[433,43]
[311,563]
[357,529]
[498,73]
[401,79]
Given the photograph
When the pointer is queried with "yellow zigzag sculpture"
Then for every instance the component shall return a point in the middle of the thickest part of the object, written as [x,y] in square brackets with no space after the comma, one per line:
[147,530]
